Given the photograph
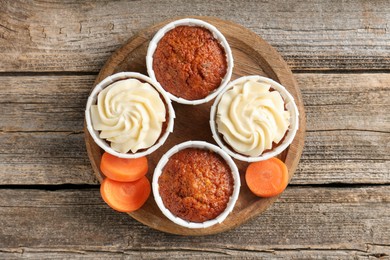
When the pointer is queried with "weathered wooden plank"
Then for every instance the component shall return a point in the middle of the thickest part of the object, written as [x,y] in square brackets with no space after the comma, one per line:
[328,157]
[44,103]
[375,252]
[44,158]
[346,101]
[332,102]
[80,36]
[303,223]
[42,119]
[344,157]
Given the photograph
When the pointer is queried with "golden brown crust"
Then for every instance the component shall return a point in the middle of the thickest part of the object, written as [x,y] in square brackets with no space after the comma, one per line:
[196,185]
[189,62]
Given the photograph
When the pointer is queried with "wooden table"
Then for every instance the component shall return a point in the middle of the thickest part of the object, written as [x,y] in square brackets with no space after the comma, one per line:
[338,203]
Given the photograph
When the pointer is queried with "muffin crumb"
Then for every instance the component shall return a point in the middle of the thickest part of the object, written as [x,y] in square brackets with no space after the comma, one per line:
[189,62]
[196,185]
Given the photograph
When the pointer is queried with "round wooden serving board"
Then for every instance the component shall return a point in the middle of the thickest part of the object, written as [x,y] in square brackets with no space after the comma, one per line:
[252,56]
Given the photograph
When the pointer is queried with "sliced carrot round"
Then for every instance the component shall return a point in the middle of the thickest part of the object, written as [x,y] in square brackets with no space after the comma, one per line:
[125,196]
[267,178]
[122,169]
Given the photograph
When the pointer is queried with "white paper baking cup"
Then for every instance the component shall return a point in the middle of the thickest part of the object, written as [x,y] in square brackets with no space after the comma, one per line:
[201,145]
[92,99]
[290,106]
[217,35]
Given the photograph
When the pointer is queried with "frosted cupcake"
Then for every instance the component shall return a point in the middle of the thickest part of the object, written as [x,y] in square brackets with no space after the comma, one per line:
[129,115]
[255,118]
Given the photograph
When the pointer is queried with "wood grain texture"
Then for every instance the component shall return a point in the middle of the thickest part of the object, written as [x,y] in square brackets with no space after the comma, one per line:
[192,122]
[347,140]
[373,252]
[80,36]
[332,102]
[304,223]
[43,103]
[60,158]
[44,158]
[42,117]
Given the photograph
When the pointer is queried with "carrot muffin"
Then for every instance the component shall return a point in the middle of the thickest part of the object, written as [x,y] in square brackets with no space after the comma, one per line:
[130,114]
[196,184]
[252,118]
[189,62]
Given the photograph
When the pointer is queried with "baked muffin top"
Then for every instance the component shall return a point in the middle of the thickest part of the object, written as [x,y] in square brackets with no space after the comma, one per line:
[189,62]
[196,184]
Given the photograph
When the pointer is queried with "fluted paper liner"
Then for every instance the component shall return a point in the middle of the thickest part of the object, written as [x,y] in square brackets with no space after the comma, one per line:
[201,145]
[92,99]
[290,106]
[217,35]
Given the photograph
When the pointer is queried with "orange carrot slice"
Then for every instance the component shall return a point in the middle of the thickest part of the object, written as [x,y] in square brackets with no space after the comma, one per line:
[121,169]
[125,196]
[267,178]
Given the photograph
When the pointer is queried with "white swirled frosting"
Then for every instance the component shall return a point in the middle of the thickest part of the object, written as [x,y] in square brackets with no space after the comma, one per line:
[129,114]
[251,117]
